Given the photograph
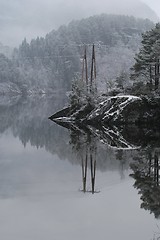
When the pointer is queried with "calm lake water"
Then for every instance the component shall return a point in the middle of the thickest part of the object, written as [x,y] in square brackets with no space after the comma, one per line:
[58,184]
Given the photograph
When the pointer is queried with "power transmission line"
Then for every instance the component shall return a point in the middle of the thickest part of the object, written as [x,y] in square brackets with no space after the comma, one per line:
[58,48]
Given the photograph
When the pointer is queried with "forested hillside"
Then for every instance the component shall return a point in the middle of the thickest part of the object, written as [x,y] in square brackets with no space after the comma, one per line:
[6,50]
[50,64]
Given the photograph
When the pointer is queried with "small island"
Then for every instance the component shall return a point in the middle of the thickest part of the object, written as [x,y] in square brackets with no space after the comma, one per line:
[138,105]
[125,109]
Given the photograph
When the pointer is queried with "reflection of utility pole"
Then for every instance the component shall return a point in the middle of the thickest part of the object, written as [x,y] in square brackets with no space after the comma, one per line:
[84,172]
[93,173]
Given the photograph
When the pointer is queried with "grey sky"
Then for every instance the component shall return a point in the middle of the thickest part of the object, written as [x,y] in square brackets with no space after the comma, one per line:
[30,18]
[154,4]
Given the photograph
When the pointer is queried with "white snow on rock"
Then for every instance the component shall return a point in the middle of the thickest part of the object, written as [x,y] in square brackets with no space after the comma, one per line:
[112,107]
[64,119]
[113,138]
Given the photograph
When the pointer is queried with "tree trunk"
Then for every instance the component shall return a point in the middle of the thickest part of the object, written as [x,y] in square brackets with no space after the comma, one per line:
[150,76]
[156,74]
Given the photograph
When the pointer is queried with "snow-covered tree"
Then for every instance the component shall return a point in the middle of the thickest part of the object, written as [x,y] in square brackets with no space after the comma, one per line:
[51,62]
[146,65]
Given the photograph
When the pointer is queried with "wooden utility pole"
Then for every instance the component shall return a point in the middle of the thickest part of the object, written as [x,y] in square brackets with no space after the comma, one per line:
[91,84]
[85,67]
[93,70]
[150,76]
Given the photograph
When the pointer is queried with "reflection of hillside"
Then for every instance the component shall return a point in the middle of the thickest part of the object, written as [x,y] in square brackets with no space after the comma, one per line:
[147,180]
[28,120]
[8,111]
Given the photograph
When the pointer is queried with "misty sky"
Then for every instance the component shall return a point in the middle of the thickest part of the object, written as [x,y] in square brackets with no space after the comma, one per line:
[154,4]
[32,18]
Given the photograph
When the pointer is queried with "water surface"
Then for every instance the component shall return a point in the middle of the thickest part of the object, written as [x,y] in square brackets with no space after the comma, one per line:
[60,184]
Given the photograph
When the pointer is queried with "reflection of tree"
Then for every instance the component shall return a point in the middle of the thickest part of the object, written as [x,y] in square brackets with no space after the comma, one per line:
[27,118]
[157,234]
[147,181]
[122,159]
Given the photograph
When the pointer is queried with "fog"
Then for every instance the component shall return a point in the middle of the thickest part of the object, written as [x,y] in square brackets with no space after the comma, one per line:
[31,18]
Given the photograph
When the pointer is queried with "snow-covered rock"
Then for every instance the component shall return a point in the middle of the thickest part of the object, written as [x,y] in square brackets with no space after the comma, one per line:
[115,110]
[112,108]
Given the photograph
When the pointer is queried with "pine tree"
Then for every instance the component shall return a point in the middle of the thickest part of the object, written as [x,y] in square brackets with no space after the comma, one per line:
[147,60]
